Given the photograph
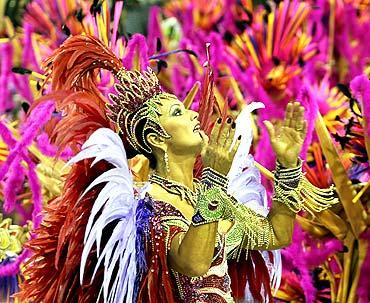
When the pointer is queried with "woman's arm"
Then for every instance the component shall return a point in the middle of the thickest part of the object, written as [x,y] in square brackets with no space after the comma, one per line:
[191,253]
[292,193]
[253,231]
[282,221]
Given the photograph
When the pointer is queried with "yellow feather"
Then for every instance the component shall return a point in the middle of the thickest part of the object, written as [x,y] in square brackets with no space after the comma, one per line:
[270,33]
[251,50]
[342,182]
[101,29]
[188,101]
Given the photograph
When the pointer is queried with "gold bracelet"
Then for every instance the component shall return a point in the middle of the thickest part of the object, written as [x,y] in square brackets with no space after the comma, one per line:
[293,189]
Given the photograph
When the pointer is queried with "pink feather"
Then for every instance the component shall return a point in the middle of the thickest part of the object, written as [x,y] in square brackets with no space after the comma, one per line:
[309,102]
[117,15]
[360,87]
[13,185]
[154,30]
[363,290]
[137,49]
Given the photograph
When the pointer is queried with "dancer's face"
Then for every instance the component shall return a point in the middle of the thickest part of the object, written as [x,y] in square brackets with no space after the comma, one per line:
[182,125]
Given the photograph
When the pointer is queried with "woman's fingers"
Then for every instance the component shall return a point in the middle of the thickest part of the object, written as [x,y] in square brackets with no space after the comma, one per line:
[304,129]
[298,126]
[204,137]
[230,136]
[205,142]
[224,134]
[294,115]
[297,114]
[236,146]
[288,114]
[215,131]
[270,129]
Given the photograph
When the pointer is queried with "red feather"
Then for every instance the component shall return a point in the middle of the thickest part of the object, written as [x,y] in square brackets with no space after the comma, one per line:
[52,273]
[156,286]
[251,268]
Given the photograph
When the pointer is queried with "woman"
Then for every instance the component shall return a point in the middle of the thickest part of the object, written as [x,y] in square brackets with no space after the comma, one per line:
[171,240]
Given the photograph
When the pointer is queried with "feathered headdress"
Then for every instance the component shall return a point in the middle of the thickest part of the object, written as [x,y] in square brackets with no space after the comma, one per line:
[73,70]
[134,109]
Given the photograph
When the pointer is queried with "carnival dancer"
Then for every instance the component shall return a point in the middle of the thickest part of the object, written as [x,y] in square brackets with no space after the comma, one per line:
[177,238]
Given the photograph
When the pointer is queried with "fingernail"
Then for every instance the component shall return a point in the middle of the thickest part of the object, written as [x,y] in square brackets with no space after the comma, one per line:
[219,120]
[228,120]
[240,136]
[233,125]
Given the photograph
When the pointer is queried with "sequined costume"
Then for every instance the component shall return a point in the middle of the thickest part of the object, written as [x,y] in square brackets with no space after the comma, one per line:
[215,285]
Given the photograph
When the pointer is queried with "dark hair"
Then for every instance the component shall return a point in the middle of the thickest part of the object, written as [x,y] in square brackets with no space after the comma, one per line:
[140,135]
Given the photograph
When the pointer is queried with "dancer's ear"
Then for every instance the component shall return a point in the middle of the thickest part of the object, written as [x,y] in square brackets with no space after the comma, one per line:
[156,141]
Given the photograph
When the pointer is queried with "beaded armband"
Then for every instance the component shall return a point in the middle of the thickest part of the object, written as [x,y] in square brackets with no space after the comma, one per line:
[211,177]
[293,189]
[250,231]
[209,207]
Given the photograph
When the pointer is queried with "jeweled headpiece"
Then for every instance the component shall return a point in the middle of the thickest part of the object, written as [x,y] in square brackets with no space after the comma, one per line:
[135,107]
[73,68]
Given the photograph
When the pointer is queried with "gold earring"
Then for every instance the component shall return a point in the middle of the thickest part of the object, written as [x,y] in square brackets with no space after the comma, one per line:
[166,162]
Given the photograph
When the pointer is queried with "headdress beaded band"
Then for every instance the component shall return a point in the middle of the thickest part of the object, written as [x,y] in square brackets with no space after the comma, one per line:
[136,106]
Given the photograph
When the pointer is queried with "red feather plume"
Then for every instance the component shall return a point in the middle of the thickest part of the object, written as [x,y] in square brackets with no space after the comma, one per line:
[73,70]
[52,273]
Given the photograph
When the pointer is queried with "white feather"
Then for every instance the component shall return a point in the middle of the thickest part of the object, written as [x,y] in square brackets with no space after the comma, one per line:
[115,202]
[245,184]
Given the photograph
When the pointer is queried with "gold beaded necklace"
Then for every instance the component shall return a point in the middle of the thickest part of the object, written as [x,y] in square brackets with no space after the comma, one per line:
[177,188]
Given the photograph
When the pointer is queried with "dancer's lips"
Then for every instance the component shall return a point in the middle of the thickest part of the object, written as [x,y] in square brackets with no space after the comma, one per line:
[197,127]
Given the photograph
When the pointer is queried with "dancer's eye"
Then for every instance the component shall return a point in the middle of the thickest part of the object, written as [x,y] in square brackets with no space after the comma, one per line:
[177,112]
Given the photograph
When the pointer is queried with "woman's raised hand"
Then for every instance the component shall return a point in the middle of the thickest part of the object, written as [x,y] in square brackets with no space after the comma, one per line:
[287,136]
[216,152]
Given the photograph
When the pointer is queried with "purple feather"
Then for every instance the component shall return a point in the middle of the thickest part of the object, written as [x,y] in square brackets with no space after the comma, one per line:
[6,51]
[44,145]
[13,185]
[11,269]
[36,193]
[6,134]
[8,283]
[29,58]
[37,119]
[363,289]
[360,87]
[318,255]
[311,108]
[290,255]
[143,213]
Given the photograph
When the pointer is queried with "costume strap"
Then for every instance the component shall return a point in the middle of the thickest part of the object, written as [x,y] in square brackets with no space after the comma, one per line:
[211,177]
